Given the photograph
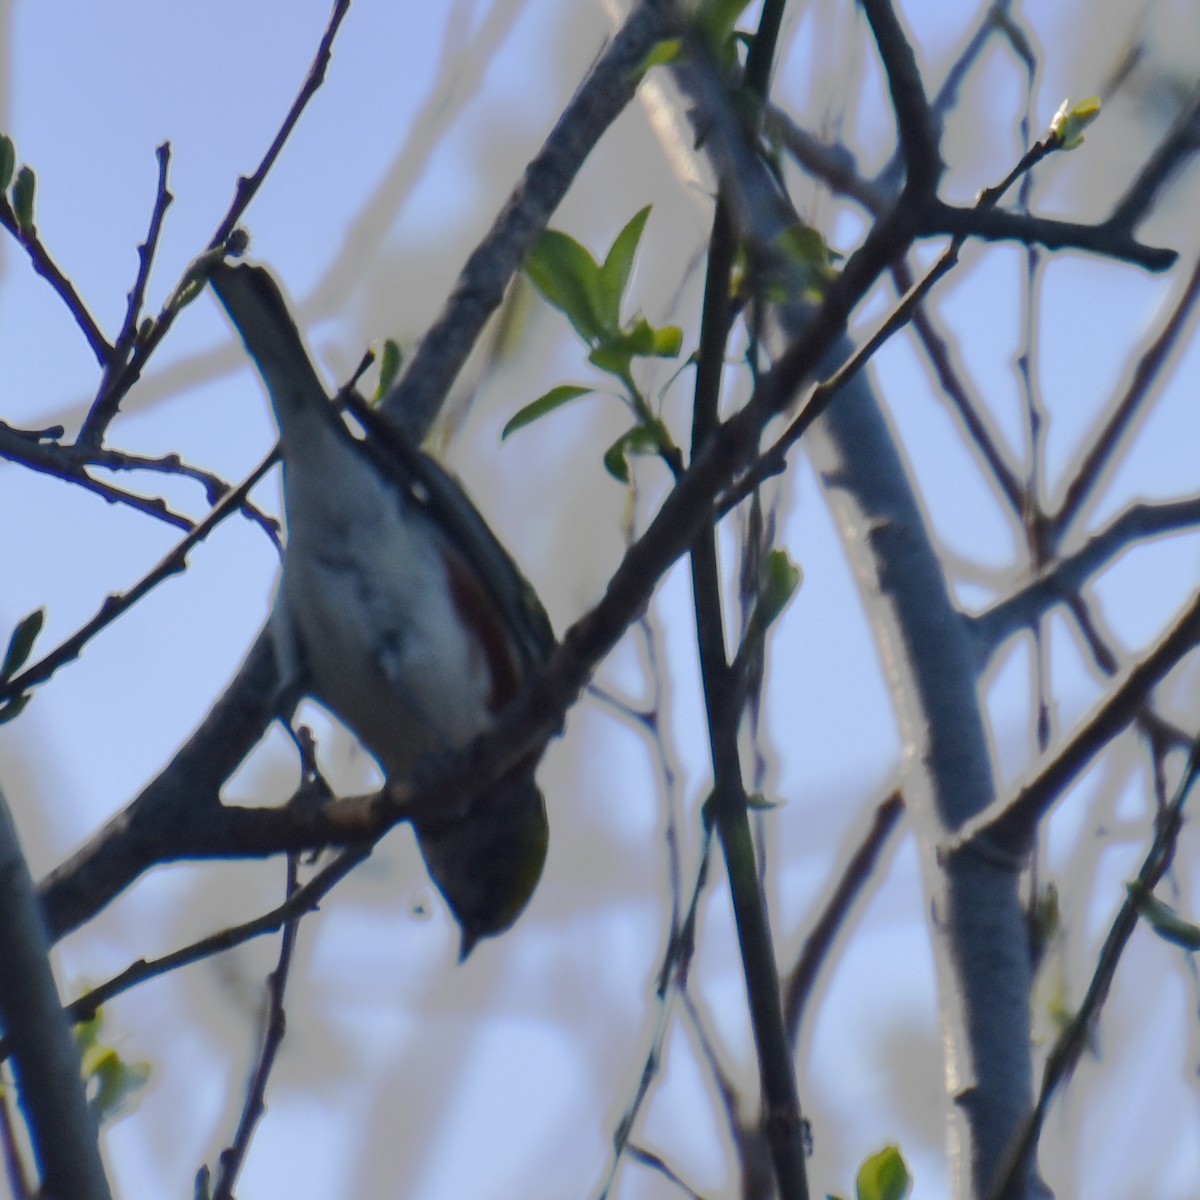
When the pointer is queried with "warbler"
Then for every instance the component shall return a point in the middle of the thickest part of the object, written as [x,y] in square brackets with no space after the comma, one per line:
[399,611]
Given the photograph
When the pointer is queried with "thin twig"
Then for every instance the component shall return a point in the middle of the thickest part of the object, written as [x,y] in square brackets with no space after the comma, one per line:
[247,186]
[858,872]
[103,410]
[1106,238]
[941,357]
[916,127]
[70,463]
[146,251]
[305,899]
[172,563]
[658,1164]
[1008,822]
[782,1116]
[1099,456]
[49,270]
[991,22]
[872,258]
[62,462]
[672,982]
[834,165]
[1168,157]
[234,1155]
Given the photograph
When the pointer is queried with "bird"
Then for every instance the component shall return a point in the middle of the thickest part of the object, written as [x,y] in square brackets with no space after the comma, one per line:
[399,611]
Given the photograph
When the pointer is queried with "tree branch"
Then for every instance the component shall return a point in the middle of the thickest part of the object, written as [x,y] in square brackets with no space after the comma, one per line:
[1098,457]
[60,1122]
[1109,238]
[49,270]
[114,606]
[247,187]
[916,127]
[1008,823]
[1065,576]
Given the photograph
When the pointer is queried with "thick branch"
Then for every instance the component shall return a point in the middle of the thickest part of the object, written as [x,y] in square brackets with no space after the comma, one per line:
[978,923]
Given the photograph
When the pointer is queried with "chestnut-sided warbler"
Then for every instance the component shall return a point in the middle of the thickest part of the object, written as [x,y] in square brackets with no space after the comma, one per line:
[399,611]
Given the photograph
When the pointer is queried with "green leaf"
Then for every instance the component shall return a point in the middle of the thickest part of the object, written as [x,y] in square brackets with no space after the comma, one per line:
[87,1033]
[759,803]
[883,1176]
[668,341]
[569,279]
[640,340]
[8,162]
[556,397]
[111,1081]
[715,20]
[804,245]
[390,361]
[662,53]
[613,356]
[780,579]
[808,254]
[1163,919]
[649,342]
[614,275]
[1066,129]
[22,198]
[21,643]
[641,439]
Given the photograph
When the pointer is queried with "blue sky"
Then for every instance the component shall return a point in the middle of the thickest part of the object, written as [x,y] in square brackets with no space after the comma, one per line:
[396,170]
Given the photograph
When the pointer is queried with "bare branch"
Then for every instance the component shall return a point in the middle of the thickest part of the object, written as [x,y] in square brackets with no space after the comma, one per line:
[1180,143]
[1098,457]
[20,446]
[49,270]
[61,1126]
[172,563]
[70,463]
[855,876]
[915,124]
[234,1155]
[247,187]
[1109,238]
[1065,576]
[104,408]
[304,899]
[941,357]
[1008,823]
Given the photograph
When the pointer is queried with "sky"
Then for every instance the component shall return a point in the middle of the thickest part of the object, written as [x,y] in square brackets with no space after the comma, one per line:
[508,1074]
